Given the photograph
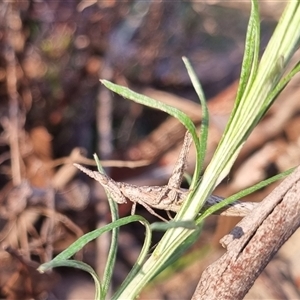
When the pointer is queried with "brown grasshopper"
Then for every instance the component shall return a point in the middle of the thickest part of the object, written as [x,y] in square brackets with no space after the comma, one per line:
[168,197]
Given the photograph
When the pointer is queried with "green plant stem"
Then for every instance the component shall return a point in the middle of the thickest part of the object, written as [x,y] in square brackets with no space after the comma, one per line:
[249,109]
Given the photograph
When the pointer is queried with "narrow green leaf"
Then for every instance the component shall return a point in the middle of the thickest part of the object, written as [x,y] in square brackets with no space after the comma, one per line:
[139,262]
[147,101]
[280,86]
[88,237]
[242,194]
[251,53]
[112,254]
[204,124]
[84,267]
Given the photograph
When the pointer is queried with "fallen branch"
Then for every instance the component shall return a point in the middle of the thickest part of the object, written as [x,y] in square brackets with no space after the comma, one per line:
[252,243]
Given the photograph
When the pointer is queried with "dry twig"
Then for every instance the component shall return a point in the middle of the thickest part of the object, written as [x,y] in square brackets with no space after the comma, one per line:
[253,243]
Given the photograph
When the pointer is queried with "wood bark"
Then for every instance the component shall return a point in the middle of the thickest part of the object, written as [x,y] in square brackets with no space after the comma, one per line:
[253,243]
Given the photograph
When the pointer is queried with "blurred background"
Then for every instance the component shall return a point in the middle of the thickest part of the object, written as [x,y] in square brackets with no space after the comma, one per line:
[54,111]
